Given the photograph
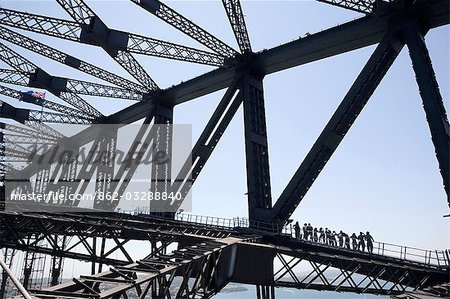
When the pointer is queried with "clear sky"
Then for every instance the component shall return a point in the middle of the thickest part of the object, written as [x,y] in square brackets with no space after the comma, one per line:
[384,176]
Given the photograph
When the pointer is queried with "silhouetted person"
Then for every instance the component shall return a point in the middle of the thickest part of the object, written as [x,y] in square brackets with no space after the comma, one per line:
[341,239]
[305,231]
[347,241]
[321,235]
[354,241]
[297,230]
[333,239]
[315,236]
[309,228]
[369,240]
[328,236]
[361,244]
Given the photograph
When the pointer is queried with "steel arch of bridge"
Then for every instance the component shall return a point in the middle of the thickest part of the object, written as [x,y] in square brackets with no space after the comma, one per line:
[388,24]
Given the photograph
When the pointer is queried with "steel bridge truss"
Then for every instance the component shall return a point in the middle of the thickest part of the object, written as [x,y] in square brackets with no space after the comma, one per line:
[207,257]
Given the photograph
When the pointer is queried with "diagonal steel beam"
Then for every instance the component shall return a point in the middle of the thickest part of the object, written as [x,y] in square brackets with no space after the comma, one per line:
[25,97]
[132,42]
[61,57]
[339,124]
[208,139]
[41,79]
[20,63]
[432,101]
[362,6]
[77,9]
[23,115]
[237,22]
[186,26]
[347,37]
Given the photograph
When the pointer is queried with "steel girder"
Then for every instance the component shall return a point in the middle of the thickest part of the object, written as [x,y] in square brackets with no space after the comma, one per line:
[89,32]
[209,138]
[61,57]
[104,225]
[42,128]
[352,272]
[25,139]
[72,31]
[236,17]
[8,255]
[186,26]
[78,10]
[256,148]
[356,271]
[432,101]
[362,6]
[200,266]
[39,78]
[339,124]
[23,96]
[23,115]
[347,37]
[25,131]
[161,174]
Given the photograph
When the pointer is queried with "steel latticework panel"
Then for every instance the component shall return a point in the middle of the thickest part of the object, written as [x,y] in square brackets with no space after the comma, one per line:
[191,256]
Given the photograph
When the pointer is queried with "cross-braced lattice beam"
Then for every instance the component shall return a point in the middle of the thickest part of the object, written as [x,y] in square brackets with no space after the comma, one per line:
[39,78]
[186,26]
[23,115]
[57,85]
[342,274]
[237,21]
[363,6]
[61,57]
[26,139]
[25,97]
[78,10]
[39,130]
[198,265]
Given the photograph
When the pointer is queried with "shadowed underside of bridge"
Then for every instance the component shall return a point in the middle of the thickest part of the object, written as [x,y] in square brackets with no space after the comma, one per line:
[194,259]
[206,257]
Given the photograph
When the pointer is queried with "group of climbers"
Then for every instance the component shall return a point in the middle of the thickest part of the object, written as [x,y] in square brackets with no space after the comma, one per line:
[328,237]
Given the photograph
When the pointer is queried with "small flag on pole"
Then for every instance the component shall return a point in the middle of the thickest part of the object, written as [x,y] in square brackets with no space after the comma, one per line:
[36,94]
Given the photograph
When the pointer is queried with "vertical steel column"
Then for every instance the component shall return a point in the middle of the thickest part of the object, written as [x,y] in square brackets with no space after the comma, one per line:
[256,149]
[105,170]
[161,173]
[57,261]
[8,256]
[27,269]
[265,292]
[431,99]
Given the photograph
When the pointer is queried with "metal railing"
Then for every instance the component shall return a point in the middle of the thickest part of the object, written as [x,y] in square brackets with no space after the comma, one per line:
[438,258]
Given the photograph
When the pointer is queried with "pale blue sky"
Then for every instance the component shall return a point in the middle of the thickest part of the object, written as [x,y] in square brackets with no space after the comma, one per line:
[384,176]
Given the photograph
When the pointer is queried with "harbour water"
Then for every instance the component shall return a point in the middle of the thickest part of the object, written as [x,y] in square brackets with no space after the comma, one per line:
[249,292]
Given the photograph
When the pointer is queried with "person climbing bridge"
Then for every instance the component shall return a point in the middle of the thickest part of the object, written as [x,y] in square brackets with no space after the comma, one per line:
[341,239]
[361,244]
[305,231]
[321,235]
[309,229]
[315,235]
[297,230]
[354,241]
[369,240]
